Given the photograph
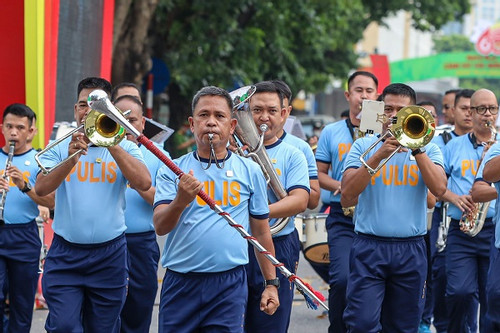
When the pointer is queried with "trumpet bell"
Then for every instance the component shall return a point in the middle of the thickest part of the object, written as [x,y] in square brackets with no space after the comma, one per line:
[414,127]
[103,131]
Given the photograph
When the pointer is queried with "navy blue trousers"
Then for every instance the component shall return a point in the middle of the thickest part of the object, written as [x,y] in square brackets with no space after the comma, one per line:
[19,258]
[287,249]
[143,255]
[203,302]
[85,285]
[467,263]
[438,282]
[340,236]
[493,290]
[386,285]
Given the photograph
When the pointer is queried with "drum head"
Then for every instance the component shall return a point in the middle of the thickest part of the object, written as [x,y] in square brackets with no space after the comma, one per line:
[318,253]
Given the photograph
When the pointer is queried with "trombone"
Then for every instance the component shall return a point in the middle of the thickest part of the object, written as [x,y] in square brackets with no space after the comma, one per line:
[413,127]
[100,129]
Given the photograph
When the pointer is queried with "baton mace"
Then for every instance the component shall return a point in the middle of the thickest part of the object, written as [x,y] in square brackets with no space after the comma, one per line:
[98,100]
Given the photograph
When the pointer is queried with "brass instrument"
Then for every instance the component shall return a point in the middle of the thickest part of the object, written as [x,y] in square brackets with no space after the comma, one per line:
[246,132]
[44,249]
[443,228]
[472,222]
[12,146]
[413,127]
[100,129]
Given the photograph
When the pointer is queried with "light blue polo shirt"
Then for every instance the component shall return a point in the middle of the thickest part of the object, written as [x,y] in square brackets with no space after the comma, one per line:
[90,202]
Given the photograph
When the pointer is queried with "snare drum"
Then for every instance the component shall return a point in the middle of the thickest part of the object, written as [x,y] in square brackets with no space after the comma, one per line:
[316,239]
[299,225]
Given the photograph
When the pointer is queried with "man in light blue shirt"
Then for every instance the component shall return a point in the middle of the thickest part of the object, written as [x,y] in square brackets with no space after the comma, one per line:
[482,192]
[85,276]
[467,258]
[205,285]
[388,258]
[19,239]
[266,106]
[334,144]
[142,247]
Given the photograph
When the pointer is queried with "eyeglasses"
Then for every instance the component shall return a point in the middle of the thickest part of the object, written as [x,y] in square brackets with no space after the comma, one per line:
[482,109]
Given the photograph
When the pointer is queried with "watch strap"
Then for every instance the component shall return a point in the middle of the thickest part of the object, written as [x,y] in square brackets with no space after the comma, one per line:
[273,282]
[26,188]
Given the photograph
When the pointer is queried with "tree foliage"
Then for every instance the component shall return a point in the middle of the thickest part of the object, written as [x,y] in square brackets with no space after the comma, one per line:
[452,43]
[230,43]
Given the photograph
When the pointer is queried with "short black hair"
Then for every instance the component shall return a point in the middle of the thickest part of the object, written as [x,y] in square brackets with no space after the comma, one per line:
[451,91]
[211,91]
[363,73]
[20,110]
[463,93]
[284,89]
[125,85]
[131,98]
[427,103]
[268,87]
[400,89]
[345,113]
[94,83]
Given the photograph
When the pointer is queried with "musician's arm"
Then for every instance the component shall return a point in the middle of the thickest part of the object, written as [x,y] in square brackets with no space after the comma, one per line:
[314,194]
[325,181]
[483,192]
[46,184]
[294,203]
[431,200]
[133,169]
[166,216]
[47,200]
[354,181]
[260,230]
[491,172]
[148,195]
[433,174]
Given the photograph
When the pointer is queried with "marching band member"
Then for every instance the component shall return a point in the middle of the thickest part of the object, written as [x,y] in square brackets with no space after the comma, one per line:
[126,88]
[85,276]
[266,106]
[467,258]
[205,285]
[142,247]
[449,100]
[455,103]
[481,192]
[19,239]
[300,144]
[334,144]
[388,261]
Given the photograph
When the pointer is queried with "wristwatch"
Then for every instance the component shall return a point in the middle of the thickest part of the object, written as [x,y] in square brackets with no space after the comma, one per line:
[26,188]
[417,151]
[273,282]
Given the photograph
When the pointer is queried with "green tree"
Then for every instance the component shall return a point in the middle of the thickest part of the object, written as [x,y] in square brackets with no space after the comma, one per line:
[229,43]
[452,43]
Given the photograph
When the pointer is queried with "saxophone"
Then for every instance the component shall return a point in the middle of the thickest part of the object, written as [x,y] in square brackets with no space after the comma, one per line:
[472,222]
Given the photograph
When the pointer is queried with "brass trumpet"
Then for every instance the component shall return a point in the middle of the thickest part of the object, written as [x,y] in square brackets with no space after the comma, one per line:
[413,127]
[101,130]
